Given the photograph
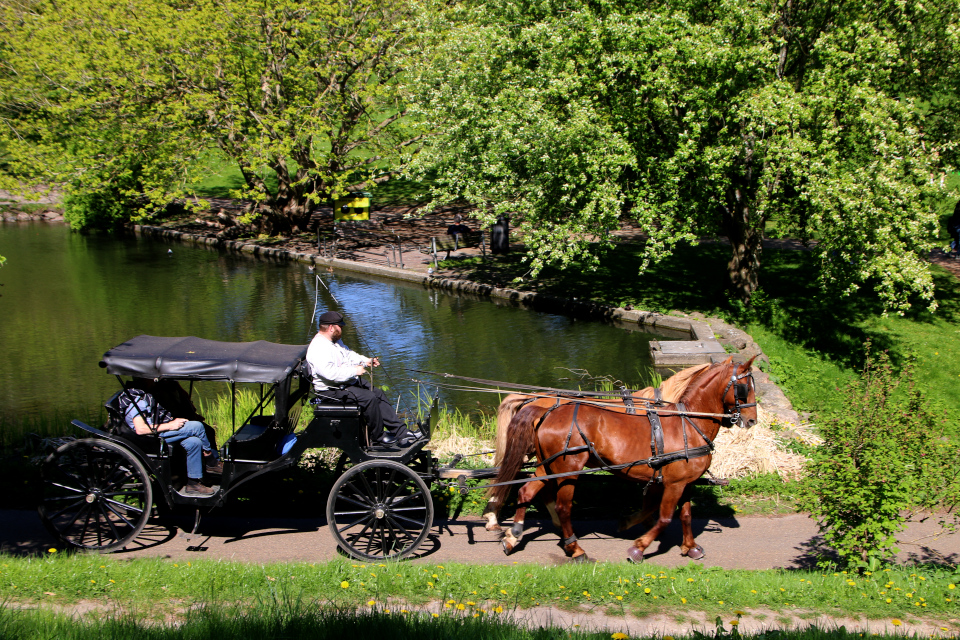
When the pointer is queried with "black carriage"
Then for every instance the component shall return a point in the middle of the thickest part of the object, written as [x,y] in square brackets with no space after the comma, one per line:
[100,491]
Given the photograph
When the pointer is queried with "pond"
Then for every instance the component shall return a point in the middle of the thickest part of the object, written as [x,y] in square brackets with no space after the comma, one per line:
[66,298]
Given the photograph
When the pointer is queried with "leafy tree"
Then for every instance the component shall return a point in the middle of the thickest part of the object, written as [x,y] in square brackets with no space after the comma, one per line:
[831,121]
[109,97]
[883,461]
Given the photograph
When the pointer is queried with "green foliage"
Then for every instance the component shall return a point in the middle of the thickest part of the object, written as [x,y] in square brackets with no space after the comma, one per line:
[696,118]
[883,460]
[303,94]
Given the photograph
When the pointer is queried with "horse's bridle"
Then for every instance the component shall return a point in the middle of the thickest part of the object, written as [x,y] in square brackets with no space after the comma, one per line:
[741,391]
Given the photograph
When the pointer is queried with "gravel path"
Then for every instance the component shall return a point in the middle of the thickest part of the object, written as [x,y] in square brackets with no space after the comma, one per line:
[731,543]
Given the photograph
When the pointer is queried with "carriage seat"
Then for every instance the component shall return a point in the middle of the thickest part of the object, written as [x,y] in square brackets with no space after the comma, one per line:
[252,430]
[333,408]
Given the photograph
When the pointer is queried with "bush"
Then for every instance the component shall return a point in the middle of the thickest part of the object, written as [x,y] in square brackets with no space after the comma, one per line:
[883,461]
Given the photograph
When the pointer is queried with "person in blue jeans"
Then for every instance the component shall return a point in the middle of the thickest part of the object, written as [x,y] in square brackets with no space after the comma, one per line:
[144,416]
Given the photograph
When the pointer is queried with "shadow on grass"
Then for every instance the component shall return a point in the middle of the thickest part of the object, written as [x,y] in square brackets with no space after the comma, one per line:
[790,303]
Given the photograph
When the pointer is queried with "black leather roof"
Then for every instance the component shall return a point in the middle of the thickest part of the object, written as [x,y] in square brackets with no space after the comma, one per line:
[192,358]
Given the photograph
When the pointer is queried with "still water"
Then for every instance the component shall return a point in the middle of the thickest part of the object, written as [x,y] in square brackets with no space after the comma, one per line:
[66,298]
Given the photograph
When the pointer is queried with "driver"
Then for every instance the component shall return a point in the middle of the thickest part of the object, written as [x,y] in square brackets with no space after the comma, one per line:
[337,372]
[145,416]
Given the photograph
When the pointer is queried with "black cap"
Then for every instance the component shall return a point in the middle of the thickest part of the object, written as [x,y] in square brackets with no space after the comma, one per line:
[330,317]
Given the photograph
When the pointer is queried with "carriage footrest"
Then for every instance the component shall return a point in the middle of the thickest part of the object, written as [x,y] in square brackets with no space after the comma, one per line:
[468,473]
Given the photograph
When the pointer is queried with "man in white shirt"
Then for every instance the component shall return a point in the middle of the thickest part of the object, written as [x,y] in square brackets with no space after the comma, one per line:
[338,374]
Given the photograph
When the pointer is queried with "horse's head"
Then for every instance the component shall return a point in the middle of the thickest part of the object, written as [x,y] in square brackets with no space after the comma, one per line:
[740,395]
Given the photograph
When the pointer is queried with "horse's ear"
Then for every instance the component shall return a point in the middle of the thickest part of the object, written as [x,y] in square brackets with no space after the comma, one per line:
[748,365]
[728,361]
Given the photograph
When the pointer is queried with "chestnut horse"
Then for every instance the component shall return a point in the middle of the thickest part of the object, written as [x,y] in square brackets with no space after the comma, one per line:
[574,435]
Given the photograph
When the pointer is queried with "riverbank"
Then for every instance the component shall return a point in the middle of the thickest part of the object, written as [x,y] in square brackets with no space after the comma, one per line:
[694,326]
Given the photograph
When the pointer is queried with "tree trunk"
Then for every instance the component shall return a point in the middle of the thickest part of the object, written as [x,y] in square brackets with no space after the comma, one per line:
[745,245]
[289,210]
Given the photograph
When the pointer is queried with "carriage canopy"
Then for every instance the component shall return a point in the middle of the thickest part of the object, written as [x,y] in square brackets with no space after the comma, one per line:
[198,359]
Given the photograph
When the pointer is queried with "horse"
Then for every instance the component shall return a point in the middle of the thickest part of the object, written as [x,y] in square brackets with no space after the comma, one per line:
[670,391]
[569,437]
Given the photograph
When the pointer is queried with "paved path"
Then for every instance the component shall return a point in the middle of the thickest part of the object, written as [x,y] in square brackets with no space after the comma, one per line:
[734,543]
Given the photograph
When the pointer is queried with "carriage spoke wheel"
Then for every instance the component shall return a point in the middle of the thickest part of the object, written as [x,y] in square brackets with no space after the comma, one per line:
[380,509]
[96,495]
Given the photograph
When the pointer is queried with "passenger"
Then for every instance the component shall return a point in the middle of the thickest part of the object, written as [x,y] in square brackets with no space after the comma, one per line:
[337,372]
[175,399]
[143,415]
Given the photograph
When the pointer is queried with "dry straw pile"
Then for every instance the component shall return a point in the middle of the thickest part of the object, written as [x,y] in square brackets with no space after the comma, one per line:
[760,449]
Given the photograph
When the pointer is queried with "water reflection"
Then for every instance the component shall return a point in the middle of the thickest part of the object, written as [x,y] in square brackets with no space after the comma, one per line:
[67,298]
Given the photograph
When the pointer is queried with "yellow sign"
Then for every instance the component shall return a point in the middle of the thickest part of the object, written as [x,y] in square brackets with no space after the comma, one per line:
[355,206]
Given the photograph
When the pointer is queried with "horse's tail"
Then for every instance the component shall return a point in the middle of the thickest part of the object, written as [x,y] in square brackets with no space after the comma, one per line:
[520,433]
[505,412]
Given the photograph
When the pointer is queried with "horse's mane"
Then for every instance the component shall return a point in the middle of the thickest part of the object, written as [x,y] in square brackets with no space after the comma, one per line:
[709,372]
[673,387]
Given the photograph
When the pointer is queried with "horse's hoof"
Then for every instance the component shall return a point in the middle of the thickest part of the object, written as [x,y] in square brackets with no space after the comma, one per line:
[635,554]
[507,549]
[580,559]
[493,527]
[695,553]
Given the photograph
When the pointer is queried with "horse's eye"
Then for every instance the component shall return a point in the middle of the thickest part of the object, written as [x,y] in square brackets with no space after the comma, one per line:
[741,391]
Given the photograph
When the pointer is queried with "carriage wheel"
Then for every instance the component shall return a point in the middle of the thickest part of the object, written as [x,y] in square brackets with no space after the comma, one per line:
[380,509]
[96,495]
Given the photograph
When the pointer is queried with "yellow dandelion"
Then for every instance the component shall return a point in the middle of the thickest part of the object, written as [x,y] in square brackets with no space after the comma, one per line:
[949,586]
[430,584]
[683,601]
[734,622]
[52,550]
[344,585]
[498,609]
[436,615]
[689,579]
[476,615]
[93,582]
[889,600]
[433,575]
[668,638]
[404,611]
[619,597]
[646,590]
[503,591]
[370,603]
[586,593]
[895,622]
[720,602]
[471,603]
[619,635]
[460,607]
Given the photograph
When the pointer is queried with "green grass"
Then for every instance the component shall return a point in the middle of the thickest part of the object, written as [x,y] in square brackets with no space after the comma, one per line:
[158,584]
[222,178]
[298,619]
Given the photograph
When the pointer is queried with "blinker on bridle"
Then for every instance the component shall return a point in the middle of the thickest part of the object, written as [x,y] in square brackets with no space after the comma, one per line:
[741,391]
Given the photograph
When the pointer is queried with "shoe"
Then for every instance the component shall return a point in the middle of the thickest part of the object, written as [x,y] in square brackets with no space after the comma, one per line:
[195,488]
[387,439]
[215,469]
[407,440]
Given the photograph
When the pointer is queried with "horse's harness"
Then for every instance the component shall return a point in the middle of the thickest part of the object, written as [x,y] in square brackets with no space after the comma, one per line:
[651,407]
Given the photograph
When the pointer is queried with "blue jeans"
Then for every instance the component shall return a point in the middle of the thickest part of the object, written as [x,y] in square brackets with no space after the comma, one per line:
[193,438]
